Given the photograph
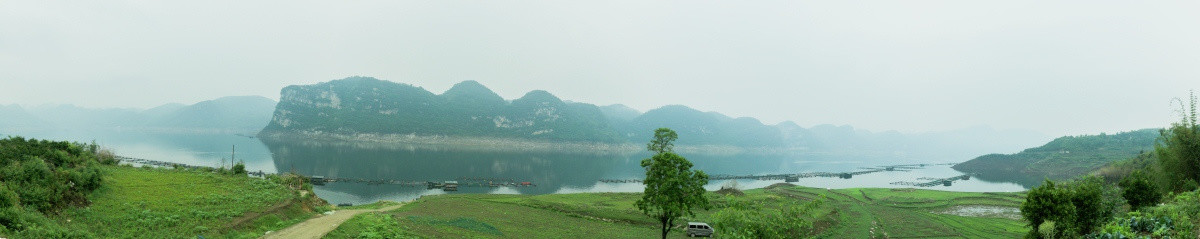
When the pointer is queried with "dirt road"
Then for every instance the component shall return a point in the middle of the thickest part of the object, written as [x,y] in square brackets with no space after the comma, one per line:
[317,227]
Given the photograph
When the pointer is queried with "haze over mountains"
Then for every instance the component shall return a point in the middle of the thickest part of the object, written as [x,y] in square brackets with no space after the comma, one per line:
[364,105]
[233,113]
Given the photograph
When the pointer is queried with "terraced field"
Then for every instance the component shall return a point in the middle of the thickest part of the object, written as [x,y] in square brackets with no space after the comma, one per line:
[853,213]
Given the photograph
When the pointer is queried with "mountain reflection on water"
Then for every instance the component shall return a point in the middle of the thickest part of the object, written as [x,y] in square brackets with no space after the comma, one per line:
[559,172]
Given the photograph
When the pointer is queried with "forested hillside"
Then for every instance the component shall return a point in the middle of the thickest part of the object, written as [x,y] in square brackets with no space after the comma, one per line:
[368,105]
[365,105]
[1064,157]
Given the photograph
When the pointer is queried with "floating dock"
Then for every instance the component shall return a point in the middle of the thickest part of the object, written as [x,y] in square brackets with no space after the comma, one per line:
[935,181]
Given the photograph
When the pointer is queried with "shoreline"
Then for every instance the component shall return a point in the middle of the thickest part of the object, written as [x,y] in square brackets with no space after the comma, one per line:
[490,144]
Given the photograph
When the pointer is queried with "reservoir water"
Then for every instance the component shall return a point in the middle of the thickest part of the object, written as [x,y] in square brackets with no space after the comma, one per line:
[550,172]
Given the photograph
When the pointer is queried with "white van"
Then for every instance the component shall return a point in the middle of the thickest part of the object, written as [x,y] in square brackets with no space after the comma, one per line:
[699,229]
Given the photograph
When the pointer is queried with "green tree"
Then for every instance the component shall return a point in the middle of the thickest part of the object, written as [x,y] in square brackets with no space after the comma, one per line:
[1139,190]
[664,141]
[1178,150]
[1047,203]
[672,187]
[1090,209]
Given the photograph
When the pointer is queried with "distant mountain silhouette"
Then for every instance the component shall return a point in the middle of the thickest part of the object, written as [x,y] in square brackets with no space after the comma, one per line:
[244,113]
[15,116]
[619,113]
[232,112]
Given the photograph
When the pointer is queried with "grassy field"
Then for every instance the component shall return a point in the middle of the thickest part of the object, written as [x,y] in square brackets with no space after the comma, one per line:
[846,213]
[167,203]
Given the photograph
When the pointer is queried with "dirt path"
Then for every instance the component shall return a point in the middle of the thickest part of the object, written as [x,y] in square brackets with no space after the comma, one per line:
[318,226]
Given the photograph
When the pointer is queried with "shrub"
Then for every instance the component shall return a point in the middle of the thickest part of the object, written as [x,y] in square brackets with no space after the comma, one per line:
[107,157]
[39,177]
[238,169]
[1139,191]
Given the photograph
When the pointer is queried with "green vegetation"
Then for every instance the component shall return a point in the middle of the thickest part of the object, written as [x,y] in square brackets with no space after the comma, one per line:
[372,226]
[1175,218]
[62,190]
[1062,158]
[1046,203]
[173,203]
[673,189]
[1172,166]
[364,108]
[743,219]
[1178,153]
[1178,150]
[368,105]
[842,213]
[40,178]
[1139,190]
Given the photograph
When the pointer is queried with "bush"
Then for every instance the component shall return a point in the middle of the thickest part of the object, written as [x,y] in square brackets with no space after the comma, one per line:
[238,169]
[1139,190]
[1076,207]
[1047,203]
[107,157]
[39,177]
[1091,208]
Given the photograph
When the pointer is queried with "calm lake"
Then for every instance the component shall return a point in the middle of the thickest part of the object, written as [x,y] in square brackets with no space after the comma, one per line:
[548,172]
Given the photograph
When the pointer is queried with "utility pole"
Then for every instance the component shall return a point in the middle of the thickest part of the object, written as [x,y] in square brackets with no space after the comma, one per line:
[232,159]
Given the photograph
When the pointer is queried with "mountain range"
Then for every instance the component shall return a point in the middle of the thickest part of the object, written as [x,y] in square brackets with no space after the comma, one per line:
[368,106]
[236,113]
[365,105]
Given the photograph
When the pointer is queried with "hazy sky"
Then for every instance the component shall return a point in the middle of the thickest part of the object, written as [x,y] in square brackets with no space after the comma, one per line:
[1060,68]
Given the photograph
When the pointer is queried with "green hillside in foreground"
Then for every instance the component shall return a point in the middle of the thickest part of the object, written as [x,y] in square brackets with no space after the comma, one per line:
[1062,158]
[169,203]
[52,189]
[844,213]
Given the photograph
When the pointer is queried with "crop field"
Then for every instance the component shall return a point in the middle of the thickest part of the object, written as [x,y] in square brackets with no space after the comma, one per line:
[167,203]
[911,213]
[853,213]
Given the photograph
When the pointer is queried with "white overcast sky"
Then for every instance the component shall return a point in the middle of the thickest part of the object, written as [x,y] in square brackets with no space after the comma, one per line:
[1058,67]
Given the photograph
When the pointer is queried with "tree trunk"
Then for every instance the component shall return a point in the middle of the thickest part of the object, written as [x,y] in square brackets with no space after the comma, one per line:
[666,226]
